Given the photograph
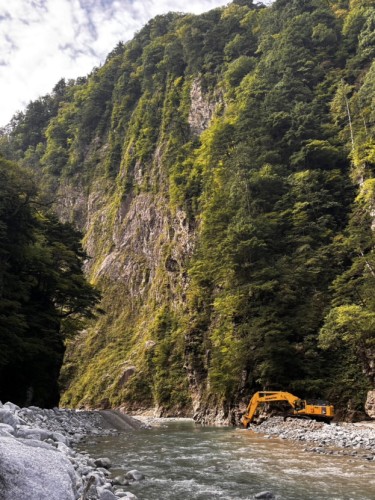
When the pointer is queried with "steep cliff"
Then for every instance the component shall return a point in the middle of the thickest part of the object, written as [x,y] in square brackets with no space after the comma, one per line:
[212,164]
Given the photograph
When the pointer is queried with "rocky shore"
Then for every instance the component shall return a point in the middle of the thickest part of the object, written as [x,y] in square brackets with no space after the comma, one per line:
[38,457]
[38,460]
[357,440]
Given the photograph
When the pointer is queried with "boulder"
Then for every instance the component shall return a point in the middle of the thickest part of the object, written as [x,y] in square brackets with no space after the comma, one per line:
[11,406]
[33,433]
[6,428]
[370,404]
[120,481]
[47,473]
[7,417]
[135,475]
[103,462]
[265,495]
[105,494]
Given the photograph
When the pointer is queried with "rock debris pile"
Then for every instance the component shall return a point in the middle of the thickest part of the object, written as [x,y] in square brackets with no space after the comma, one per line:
[37,459]
[330,439]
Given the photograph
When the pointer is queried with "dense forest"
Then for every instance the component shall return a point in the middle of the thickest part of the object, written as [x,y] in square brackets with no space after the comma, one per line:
[45,297]
[221,169]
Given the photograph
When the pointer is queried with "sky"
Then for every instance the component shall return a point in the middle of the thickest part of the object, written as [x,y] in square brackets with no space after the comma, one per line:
[42,41]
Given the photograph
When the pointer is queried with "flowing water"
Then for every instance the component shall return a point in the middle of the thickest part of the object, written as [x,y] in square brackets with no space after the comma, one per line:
[182,461]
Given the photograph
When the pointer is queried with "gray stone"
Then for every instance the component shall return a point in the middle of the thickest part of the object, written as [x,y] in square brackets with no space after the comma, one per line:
[118,480]
[120,493]
[35,443]
[57,436]
[4,433]
[11,406]
[265,495]
[105,494]
[35,433]
[7,428]
[135,475]
[24,469]
[103,462]
[7,417]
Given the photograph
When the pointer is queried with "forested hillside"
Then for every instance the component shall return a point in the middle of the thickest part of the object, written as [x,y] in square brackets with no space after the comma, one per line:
[221,168]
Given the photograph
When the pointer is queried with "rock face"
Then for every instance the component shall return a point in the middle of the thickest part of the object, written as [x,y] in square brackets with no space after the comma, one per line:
[139,247]
[201,110]
[370,404]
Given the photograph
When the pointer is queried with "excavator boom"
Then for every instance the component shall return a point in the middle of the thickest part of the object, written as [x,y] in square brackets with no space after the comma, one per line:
[299,407]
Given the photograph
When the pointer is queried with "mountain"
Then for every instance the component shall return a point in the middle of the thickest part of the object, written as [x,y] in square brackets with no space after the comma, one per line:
[221,168]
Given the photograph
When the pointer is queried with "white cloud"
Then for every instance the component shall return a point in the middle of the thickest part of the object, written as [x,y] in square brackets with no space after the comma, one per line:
[42,41]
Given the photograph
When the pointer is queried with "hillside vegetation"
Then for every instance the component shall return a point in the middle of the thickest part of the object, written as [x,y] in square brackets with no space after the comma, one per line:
[221,167]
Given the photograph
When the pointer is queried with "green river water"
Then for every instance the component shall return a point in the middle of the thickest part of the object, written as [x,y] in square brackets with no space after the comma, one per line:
[182,461]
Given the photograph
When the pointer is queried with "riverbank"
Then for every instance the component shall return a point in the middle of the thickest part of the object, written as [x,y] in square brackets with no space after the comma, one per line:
[38,449]
[357,440]
[38,459]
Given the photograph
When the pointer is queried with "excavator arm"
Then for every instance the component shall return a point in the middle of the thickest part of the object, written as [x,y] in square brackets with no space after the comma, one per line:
[267,397]
[299,406]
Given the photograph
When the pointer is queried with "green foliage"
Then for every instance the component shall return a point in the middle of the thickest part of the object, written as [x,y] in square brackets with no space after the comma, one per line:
[229,249]
[43,293]
[349,326]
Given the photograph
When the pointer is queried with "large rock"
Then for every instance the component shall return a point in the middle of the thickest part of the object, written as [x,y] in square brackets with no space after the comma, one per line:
[265,495]
[27,471]
[7,417]
[370,404]
[135,475]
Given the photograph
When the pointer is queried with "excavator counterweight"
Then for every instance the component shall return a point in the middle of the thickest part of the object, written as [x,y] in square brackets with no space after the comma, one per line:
[299,407]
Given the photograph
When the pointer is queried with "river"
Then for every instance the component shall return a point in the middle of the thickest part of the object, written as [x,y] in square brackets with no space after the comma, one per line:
[183,461]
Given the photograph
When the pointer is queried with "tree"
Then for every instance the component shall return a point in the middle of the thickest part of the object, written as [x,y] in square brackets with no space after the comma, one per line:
[44,296]
[350,324]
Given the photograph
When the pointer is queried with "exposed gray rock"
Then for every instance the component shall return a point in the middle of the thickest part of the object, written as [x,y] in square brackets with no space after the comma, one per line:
[118,480]
[8,417]
[36,453]
[6,429]
[370,404]
[135,475]
[106,494]
[265,495]
[24,469]
[103,462]
[11,406]
[201,109]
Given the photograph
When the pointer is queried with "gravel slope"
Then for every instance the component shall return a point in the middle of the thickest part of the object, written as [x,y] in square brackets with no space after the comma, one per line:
[333,439]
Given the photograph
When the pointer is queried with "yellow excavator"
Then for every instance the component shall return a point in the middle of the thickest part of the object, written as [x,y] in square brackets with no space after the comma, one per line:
[299,406]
